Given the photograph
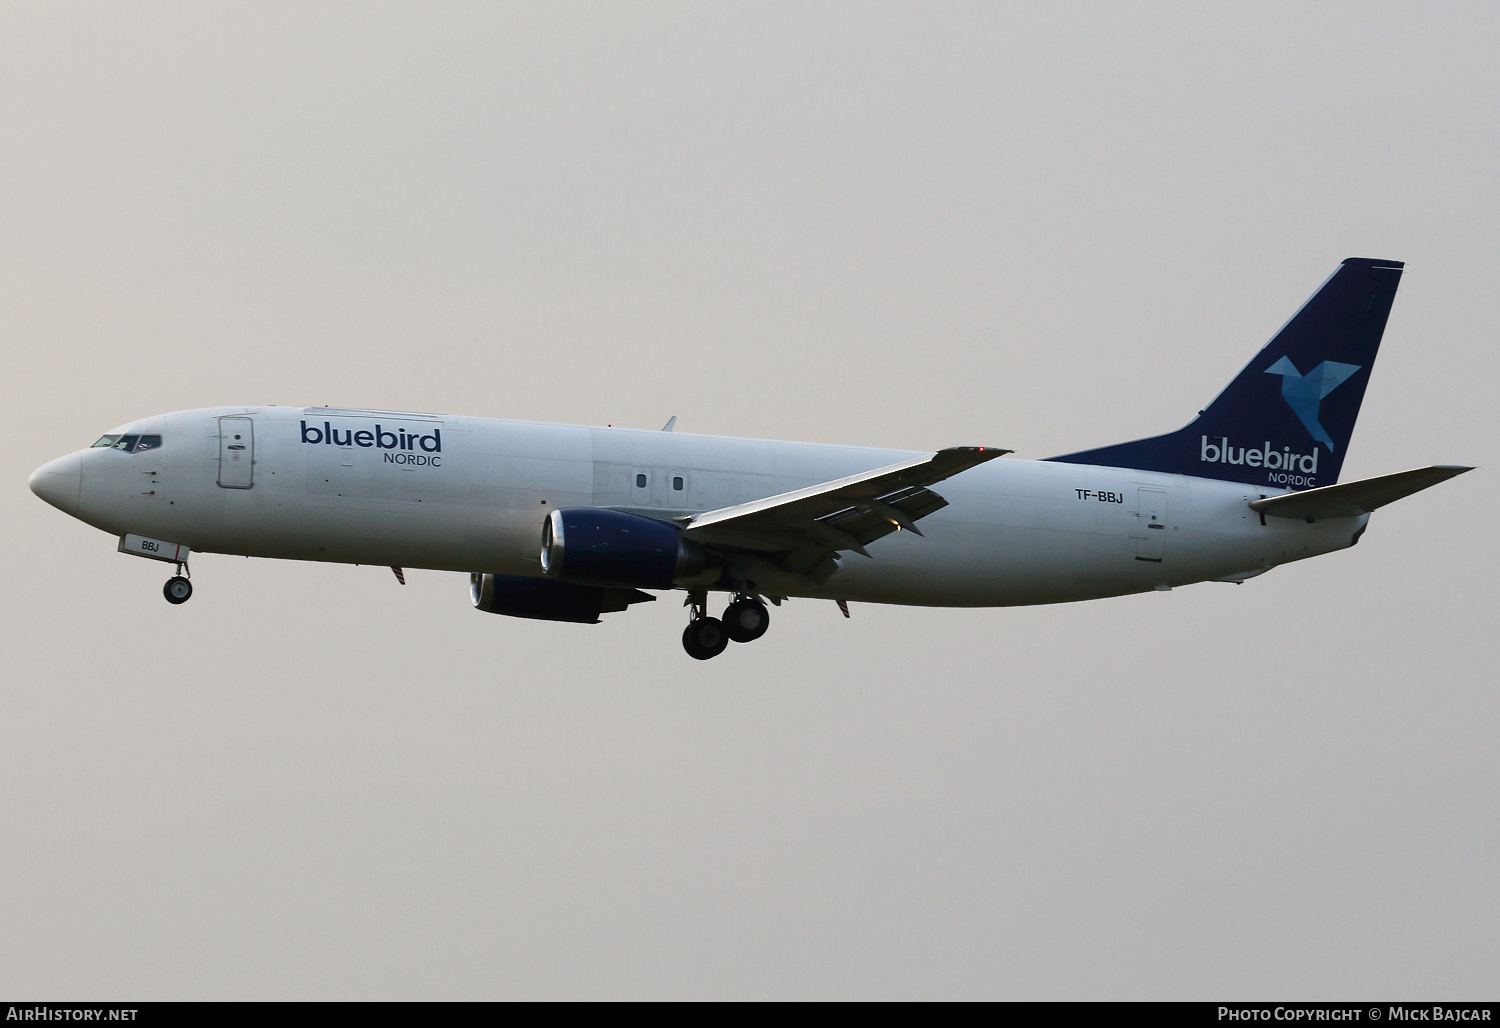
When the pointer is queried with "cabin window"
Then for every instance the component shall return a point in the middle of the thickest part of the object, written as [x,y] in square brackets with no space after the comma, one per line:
[640,481]
[677,483]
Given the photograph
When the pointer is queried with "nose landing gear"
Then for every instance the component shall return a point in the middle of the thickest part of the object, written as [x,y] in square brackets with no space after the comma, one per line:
[178,589]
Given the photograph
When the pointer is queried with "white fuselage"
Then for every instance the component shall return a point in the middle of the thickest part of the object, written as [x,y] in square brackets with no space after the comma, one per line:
[470,495]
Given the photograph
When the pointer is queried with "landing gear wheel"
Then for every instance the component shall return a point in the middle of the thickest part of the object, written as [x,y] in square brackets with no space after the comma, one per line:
[746,620]
[177,589]
[704,638]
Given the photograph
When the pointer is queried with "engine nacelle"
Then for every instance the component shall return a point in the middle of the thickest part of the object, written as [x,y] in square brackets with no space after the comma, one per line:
[546,600]
[609,547]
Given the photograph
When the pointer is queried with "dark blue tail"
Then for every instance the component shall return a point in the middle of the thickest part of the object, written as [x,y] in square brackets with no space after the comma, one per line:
[1285,421]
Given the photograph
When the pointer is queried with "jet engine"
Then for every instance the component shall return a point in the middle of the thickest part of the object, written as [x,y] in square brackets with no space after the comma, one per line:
[546,600]
[610,547]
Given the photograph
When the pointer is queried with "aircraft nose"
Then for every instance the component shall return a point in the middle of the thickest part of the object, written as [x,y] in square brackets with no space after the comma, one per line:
[60,482]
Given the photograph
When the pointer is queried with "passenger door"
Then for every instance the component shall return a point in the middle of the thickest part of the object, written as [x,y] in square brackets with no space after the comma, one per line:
[236,453]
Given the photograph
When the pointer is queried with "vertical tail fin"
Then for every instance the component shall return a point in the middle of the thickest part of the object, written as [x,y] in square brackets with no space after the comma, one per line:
[1286,419]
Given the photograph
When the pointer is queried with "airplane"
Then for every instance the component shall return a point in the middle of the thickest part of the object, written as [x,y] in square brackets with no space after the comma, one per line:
[567,523]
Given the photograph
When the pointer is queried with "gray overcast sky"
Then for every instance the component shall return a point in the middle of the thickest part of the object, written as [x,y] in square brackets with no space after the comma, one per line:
[1044,227]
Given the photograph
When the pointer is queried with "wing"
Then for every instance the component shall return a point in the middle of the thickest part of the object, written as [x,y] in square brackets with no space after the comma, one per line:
[804,530]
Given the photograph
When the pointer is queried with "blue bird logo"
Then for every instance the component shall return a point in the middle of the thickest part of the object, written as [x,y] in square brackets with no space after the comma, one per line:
[1304,393]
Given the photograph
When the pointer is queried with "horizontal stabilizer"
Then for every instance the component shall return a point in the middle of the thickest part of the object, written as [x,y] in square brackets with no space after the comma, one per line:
[1351,499]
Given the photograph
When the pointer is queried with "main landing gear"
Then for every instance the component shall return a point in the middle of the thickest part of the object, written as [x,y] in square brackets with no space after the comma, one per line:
[178,589]
[704,638]
[745,620]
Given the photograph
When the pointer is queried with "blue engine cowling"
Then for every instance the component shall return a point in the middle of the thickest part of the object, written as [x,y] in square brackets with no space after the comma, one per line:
[609,547]
[546,600]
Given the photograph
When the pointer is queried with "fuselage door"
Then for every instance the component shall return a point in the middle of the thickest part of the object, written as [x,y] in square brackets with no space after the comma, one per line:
[236,453]
[1151,534]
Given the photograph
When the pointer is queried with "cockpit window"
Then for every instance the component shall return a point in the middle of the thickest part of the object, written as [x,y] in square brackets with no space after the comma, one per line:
[130,443]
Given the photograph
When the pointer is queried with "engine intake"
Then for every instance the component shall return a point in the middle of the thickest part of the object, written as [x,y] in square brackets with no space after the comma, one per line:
[609,547]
